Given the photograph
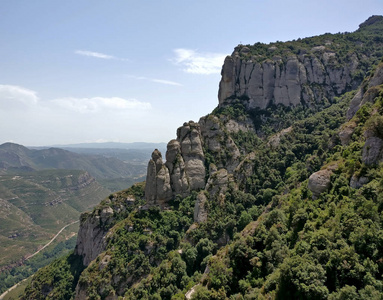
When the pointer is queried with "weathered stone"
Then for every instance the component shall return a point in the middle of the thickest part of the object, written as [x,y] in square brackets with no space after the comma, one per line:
[346,133]
[218,182]
[367,92]
[307,78]
[358,182]
[189,137]
[218,142]
[157,188]
[200,212]
[91,238]
[319,182]
[106,214]
[176,165]
[276,138]
[372,151]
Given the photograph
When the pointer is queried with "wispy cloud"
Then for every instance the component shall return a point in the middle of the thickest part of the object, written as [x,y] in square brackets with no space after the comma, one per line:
[15,97]
[199,63]
[162,81]
[99,104]
[12,96]
[98,55]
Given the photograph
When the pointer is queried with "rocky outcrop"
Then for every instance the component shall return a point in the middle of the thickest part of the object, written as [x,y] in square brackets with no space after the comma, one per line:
[157,188]
[372,152]
[346,132]
[91,235]
[218,142]
[184,170]
[189,137]
[358,182]
[275,139]
[367,92]
[319,182]
[310,77]
[218,182]
[176,165]
[200,211]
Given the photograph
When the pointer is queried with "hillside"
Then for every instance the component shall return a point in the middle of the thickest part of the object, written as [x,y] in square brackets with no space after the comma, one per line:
[114,169]
[277,194]
[35,205]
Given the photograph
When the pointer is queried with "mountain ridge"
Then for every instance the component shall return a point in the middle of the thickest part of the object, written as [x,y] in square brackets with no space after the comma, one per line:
[235,212]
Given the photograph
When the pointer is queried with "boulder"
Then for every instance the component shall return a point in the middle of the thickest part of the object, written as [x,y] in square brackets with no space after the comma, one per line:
[319,182]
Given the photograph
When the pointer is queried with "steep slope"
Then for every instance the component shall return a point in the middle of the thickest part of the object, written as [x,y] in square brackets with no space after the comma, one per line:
[274,195]
[35,205]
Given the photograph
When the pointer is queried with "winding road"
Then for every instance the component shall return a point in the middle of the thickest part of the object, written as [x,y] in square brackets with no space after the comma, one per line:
[46,245]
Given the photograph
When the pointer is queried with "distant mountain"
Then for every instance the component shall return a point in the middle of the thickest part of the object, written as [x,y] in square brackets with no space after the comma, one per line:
[101,165]
[114,145]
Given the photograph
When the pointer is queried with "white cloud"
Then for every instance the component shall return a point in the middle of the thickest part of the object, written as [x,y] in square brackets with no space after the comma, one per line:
[99,104]
[168,82]
[199,63]
[162,81]
[98,55]
[12,96]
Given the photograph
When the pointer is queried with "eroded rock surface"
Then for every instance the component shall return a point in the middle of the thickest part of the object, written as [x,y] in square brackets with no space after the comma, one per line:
[157,189]
[319,182]
[219,143]
[91,236]
[372,151]
[184,170]
[309,77]
[367,92]
[200,211]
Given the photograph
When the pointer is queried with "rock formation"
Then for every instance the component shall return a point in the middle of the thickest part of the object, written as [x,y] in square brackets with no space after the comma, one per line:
[308,77]
[157,189]
[219,143]
[184,170]
[367,92]
[372,151]
[91,236]
[319,182]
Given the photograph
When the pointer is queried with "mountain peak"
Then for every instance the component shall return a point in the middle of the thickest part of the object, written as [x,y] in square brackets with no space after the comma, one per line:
[371,21]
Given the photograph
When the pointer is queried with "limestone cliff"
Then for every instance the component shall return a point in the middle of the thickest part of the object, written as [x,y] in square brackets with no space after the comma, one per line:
[311,71]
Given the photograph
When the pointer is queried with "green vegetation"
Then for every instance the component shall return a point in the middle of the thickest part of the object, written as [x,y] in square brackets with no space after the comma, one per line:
[37,204]
[267,236]
[10,277]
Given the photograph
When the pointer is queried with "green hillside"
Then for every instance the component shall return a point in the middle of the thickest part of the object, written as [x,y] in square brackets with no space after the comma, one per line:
[291,205]
[115,170]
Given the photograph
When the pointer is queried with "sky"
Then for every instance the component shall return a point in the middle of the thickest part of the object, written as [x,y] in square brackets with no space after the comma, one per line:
[78,71]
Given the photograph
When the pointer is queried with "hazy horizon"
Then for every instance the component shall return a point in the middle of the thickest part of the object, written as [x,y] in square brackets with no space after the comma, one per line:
[124,71]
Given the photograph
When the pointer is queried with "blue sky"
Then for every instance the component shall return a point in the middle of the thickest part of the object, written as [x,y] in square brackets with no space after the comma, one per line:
[126,71]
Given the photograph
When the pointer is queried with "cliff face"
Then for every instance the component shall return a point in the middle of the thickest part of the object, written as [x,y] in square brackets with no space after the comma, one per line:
[307,78]
[310,71]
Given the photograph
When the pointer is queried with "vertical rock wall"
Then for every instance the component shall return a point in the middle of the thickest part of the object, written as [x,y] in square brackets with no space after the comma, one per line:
[309,77]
